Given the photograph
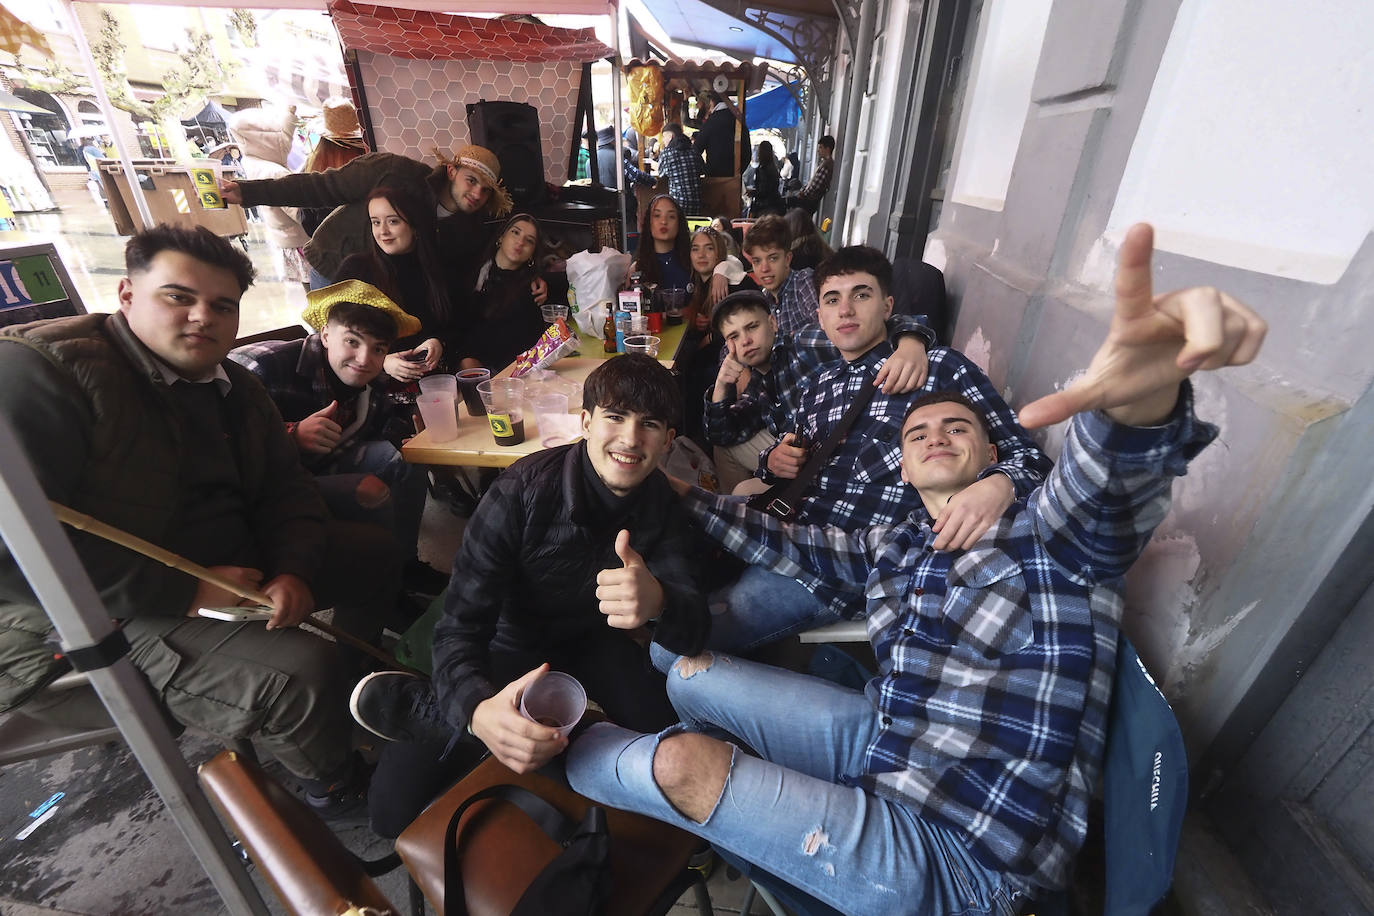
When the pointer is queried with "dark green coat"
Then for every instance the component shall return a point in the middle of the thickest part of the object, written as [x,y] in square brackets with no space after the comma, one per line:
[98,423]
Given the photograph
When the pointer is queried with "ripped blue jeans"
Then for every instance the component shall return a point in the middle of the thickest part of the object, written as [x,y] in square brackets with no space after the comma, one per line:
[789,812]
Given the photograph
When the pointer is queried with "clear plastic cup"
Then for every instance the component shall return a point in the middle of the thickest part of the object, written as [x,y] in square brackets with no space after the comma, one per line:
[552,312]
[556,700]
[504,399]
[437,409]
[439,383]
[643,344]
[556,425]
[468,380]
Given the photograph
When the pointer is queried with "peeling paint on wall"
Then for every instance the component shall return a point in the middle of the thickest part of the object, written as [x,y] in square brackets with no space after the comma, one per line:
[979,349]
[1160,597]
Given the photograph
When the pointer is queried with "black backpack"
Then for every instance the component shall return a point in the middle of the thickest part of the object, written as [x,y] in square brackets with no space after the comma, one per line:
[576,883]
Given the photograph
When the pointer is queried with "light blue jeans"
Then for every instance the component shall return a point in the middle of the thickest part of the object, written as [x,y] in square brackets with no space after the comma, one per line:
[788,812]
[762,607]
[408,484]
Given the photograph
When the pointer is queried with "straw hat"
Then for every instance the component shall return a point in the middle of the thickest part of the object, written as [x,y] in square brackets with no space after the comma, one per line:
[326,297]
[487,168]
[340,118]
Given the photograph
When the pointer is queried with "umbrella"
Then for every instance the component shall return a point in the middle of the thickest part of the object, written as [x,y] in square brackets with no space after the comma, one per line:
[15,33]
[774,108]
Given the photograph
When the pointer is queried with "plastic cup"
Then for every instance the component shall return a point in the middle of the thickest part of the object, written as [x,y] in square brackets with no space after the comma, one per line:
[673,301]
[504,399]
[468,380]
[439,383]
[437,409]
[556,700]
[643,344]
[553,312]
[556,425]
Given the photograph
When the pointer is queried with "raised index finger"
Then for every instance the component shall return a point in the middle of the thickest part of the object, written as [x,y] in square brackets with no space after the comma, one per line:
[1134,285]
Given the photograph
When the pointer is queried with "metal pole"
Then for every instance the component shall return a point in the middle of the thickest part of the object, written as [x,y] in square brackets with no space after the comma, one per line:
[84,47]
[39,546]
[616,65]
[854,89]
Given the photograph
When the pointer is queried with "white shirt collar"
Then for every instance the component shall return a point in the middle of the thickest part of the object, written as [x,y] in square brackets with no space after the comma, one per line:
[218,376]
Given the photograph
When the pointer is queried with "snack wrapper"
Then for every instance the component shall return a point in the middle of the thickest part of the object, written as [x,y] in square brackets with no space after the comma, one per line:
[556,342]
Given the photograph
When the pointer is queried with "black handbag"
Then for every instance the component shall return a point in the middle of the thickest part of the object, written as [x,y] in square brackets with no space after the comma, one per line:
[576,883]
[783,499]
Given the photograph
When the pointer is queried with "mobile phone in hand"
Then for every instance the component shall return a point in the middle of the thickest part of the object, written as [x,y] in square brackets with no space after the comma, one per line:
[237,613]
[799,439]
[418,356]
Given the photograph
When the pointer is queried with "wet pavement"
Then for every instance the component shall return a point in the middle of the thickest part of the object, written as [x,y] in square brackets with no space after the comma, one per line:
[93,254]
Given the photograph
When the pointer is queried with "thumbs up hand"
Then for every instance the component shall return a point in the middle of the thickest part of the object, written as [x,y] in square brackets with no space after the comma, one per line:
[629,596]
[318,433]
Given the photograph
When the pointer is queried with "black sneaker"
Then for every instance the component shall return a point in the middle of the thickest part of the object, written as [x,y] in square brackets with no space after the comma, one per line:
[343,799]
[418,576]
[400,706]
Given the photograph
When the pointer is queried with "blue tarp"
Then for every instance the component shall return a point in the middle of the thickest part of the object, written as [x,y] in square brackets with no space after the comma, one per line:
[774,108]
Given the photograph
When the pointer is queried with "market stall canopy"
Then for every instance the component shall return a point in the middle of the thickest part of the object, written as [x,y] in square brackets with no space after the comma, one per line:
[776,108]
[211,115]
[423,35]
[11,102]
[521,7]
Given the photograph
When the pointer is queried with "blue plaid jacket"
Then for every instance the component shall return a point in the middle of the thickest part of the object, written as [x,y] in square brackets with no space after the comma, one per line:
[996,663]
[769,399]
[862,483]
[795,303]
[683,168]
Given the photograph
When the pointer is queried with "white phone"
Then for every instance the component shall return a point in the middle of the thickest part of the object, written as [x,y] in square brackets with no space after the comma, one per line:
[237,614]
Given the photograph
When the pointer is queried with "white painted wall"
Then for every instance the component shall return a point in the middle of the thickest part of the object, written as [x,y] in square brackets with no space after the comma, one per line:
[1011,33]
[1242,162]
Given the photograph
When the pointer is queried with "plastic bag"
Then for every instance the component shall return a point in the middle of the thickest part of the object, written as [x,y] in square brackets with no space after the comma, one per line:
[686,461]
[596,278]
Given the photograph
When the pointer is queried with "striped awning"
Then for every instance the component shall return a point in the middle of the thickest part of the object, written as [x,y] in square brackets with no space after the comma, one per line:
[15,33]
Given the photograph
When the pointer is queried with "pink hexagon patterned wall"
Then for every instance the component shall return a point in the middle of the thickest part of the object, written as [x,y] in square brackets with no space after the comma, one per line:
[418,105]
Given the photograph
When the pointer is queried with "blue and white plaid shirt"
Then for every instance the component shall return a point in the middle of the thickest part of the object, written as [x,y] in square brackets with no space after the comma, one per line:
[862,483]
[995,664]
[683,168]
[795,302]
[770,399]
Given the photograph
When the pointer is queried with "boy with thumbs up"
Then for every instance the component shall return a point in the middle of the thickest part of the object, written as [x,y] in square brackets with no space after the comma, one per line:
[576,558]
[329,390]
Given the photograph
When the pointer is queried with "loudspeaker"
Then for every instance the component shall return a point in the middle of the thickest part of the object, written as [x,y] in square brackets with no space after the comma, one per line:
[511,131]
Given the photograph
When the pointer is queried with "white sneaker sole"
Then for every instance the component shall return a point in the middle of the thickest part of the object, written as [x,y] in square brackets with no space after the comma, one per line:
[357,691]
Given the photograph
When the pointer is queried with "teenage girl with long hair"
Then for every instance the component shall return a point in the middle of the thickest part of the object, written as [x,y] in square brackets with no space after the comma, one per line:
[503,319]
[402,263]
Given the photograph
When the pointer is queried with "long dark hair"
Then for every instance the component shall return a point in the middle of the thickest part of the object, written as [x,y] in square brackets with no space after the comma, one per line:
[421,220]
[646,258]
[497,297]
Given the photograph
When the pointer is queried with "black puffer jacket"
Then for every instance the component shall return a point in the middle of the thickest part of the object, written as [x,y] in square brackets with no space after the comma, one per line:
[529,562]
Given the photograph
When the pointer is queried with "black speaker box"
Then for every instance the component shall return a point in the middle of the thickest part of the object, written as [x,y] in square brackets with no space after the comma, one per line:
[511,131]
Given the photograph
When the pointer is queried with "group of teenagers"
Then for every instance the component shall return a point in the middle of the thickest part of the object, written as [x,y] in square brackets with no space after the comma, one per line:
[956,780]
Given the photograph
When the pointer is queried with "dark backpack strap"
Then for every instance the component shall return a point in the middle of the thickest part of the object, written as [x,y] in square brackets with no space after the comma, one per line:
[553,822]
[784,504]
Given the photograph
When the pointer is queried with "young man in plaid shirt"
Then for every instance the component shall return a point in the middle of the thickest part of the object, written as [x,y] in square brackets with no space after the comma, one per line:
[861,483]
[754,398]
[959,780]
[768,246]
[809,197]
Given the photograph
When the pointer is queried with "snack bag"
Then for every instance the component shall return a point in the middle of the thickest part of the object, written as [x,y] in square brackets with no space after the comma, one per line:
[555,343]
